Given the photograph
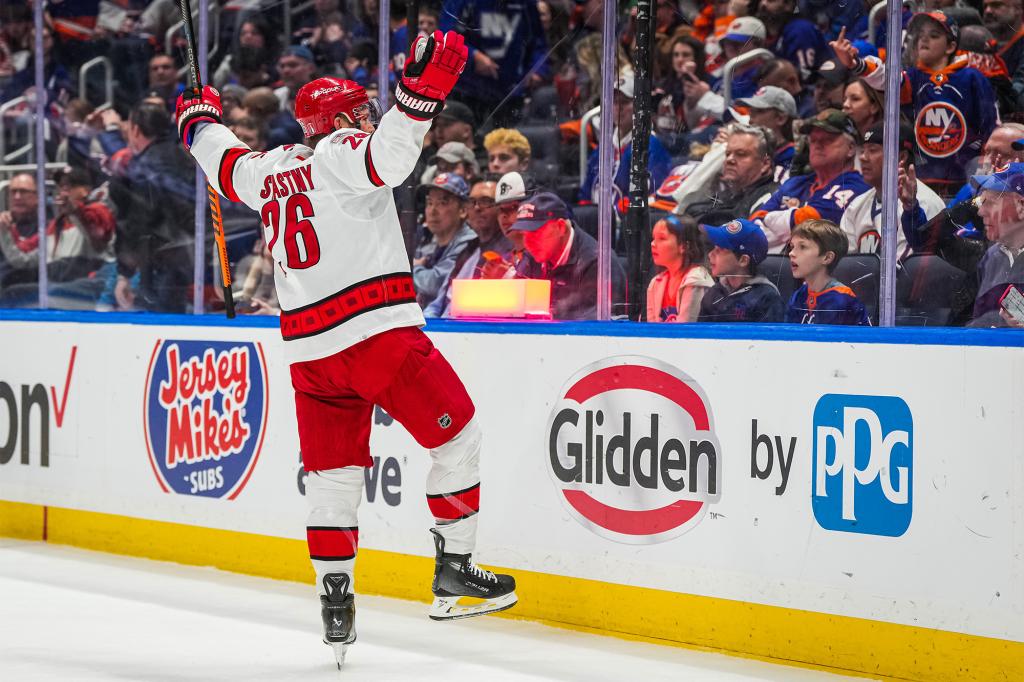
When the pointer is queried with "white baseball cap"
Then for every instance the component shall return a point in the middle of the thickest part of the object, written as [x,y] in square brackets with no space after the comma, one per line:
[743,29]
[511,187]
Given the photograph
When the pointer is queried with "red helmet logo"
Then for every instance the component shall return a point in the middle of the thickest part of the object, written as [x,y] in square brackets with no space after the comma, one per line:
[319,101]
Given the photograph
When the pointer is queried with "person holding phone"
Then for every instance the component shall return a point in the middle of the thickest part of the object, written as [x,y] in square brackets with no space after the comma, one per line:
[1001,197]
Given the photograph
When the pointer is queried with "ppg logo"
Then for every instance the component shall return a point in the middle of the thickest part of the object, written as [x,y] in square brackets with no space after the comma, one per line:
[863,464]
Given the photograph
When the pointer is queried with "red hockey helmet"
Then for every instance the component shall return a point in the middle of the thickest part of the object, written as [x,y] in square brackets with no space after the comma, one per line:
[319,101]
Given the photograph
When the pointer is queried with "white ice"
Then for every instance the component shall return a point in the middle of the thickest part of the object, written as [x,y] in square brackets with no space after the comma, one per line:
[70,614]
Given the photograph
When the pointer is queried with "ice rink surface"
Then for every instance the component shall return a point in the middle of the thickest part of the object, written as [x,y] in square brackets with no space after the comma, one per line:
[70,614]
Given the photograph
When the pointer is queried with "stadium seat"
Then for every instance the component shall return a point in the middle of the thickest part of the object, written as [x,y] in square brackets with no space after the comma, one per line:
[544,140]
[861,272]
[544,105]
[586,217]
[776,269]
[925,286]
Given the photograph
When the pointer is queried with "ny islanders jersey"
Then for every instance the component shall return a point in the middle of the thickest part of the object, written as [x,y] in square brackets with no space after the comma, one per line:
[329,220]
[953,110]
[835,304]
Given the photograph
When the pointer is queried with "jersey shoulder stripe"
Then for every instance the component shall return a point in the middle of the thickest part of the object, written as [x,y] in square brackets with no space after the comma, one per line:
[227,169]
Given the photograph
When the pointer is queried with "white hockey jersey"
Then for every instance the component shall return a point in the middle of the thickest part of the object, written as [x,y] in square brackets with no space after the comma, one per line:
[329,218]
[862,221]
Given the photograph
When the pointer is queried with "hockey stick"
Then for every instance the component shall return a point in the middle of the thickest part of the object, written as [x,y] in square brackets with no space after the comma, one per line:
[218,222]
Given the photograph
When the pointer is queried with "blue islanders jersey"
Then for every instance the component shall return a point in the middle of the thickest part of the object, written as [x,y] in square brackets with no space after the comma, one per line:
[509,32]
[803,44]
[802,198]
[835,304]
[954,112]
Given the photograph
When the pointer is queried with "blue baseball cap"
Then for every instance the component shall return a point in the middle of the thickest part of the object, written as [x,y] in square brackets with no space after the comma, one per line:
[743,237]
[449,182]
[1018,144]
[300,51]
[1009,179]
[539,209]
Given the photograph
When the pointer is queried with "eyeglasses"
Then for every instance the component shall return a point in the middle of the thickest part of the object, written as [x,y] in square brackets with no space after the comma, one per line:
[481,204]
[18,190]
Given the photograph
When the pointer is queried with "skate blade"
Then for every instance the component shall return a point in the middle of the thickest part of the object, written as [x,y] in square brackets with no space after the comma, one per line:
[339,653]
[453,608]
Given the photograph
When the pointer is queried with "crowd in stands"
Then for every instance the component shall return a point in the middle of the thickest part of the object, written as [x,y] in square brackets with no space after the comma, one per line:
[766,176]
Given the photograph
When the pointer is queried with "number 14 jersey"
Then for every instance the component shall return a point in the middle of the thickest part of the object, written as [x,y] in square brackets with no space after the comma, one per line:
[329,219]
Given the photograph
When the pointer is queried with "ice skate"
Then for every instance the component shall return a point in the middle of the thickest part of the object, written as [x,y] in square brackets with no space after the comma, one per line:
[462,589]
[338,609]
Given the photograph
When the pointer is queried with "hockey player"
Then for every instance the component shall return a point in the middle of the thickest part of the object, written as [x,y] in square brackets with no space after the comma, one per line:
[350,321]
[952,105]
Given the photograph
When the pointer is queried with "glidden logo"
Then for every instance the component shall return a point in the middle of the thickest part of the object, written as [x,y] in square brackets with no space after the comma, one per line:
[631,445]
[205,414]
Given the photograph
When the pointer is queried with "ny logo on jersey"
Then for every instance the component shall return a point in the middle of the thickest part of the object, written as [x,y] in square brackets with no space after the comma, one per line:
[941,129]
[498,25]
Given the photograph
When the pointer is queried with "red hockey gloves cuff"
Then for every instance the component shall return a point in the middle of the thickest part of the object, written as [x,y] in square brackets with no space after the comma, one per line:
[191,110]
[428,79]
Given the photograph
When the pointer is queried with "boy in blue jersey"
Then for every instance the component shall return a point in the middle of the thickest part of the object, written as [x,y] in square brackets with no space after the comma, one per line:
[740,294]
[816,247]
[952,104]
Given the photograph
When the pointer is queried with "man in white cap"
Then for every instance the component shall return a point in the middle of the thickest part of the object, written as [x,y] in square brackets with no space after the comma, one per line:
[774,109]
[706,101]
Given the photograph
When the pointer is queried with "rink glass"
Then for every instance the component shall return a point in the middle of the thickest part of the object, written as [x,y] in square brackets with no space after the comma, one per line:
[160,258]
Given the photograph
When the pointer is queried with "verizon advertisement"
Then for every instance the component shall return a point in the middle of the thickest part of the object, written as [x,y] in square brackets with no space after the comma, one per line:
[816,476]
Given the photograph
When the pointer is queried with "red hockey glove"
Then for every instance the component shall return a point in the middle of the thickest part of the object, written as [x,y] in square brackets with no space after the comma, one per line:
[431,74]
[190,110]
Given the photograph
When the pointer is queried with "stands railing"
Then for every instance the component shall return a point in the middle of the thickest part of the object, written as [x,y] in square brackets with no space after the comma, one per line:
[736,62]
[24,150]
[873,21]
[108,82]
[175,28]
[585,141]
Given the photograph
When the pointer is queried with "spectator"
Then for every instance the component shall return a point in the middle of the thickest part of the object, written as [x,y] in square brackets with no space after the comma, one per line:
[658,161]
[428,20]
[260,104]
[816,247]
[862,221]
[79,241]
[740,294]
[1002,210]
[774,109]
[296,67]
[163,80]
[952,104]
[745,34]
[675,293]
[980,46]
[1004,19]
[507,55]
[686,58]
[21,217]
[511,189]
[825,192]
[745,182]
[155,201]
[15,33]
[554,20]
[250,62]
[455,123]
[830,89]
[361,62]
[791,37]
[251,133]
[482,216]
[453,157]
[782,74]
[445,217]
[57,78]
[563,253]
[863,104]
[508,150]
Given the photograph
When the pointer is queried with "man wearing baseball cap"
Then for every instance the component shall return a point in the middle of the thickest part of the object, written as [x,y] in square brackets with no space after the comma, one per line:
[1002,212]
[566,255]
[740,294]
[952,104]
[862,221]
[512,188]
[774,109]
[445,220]
[705,101]
[827,192]
[453,157]
[455,123]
